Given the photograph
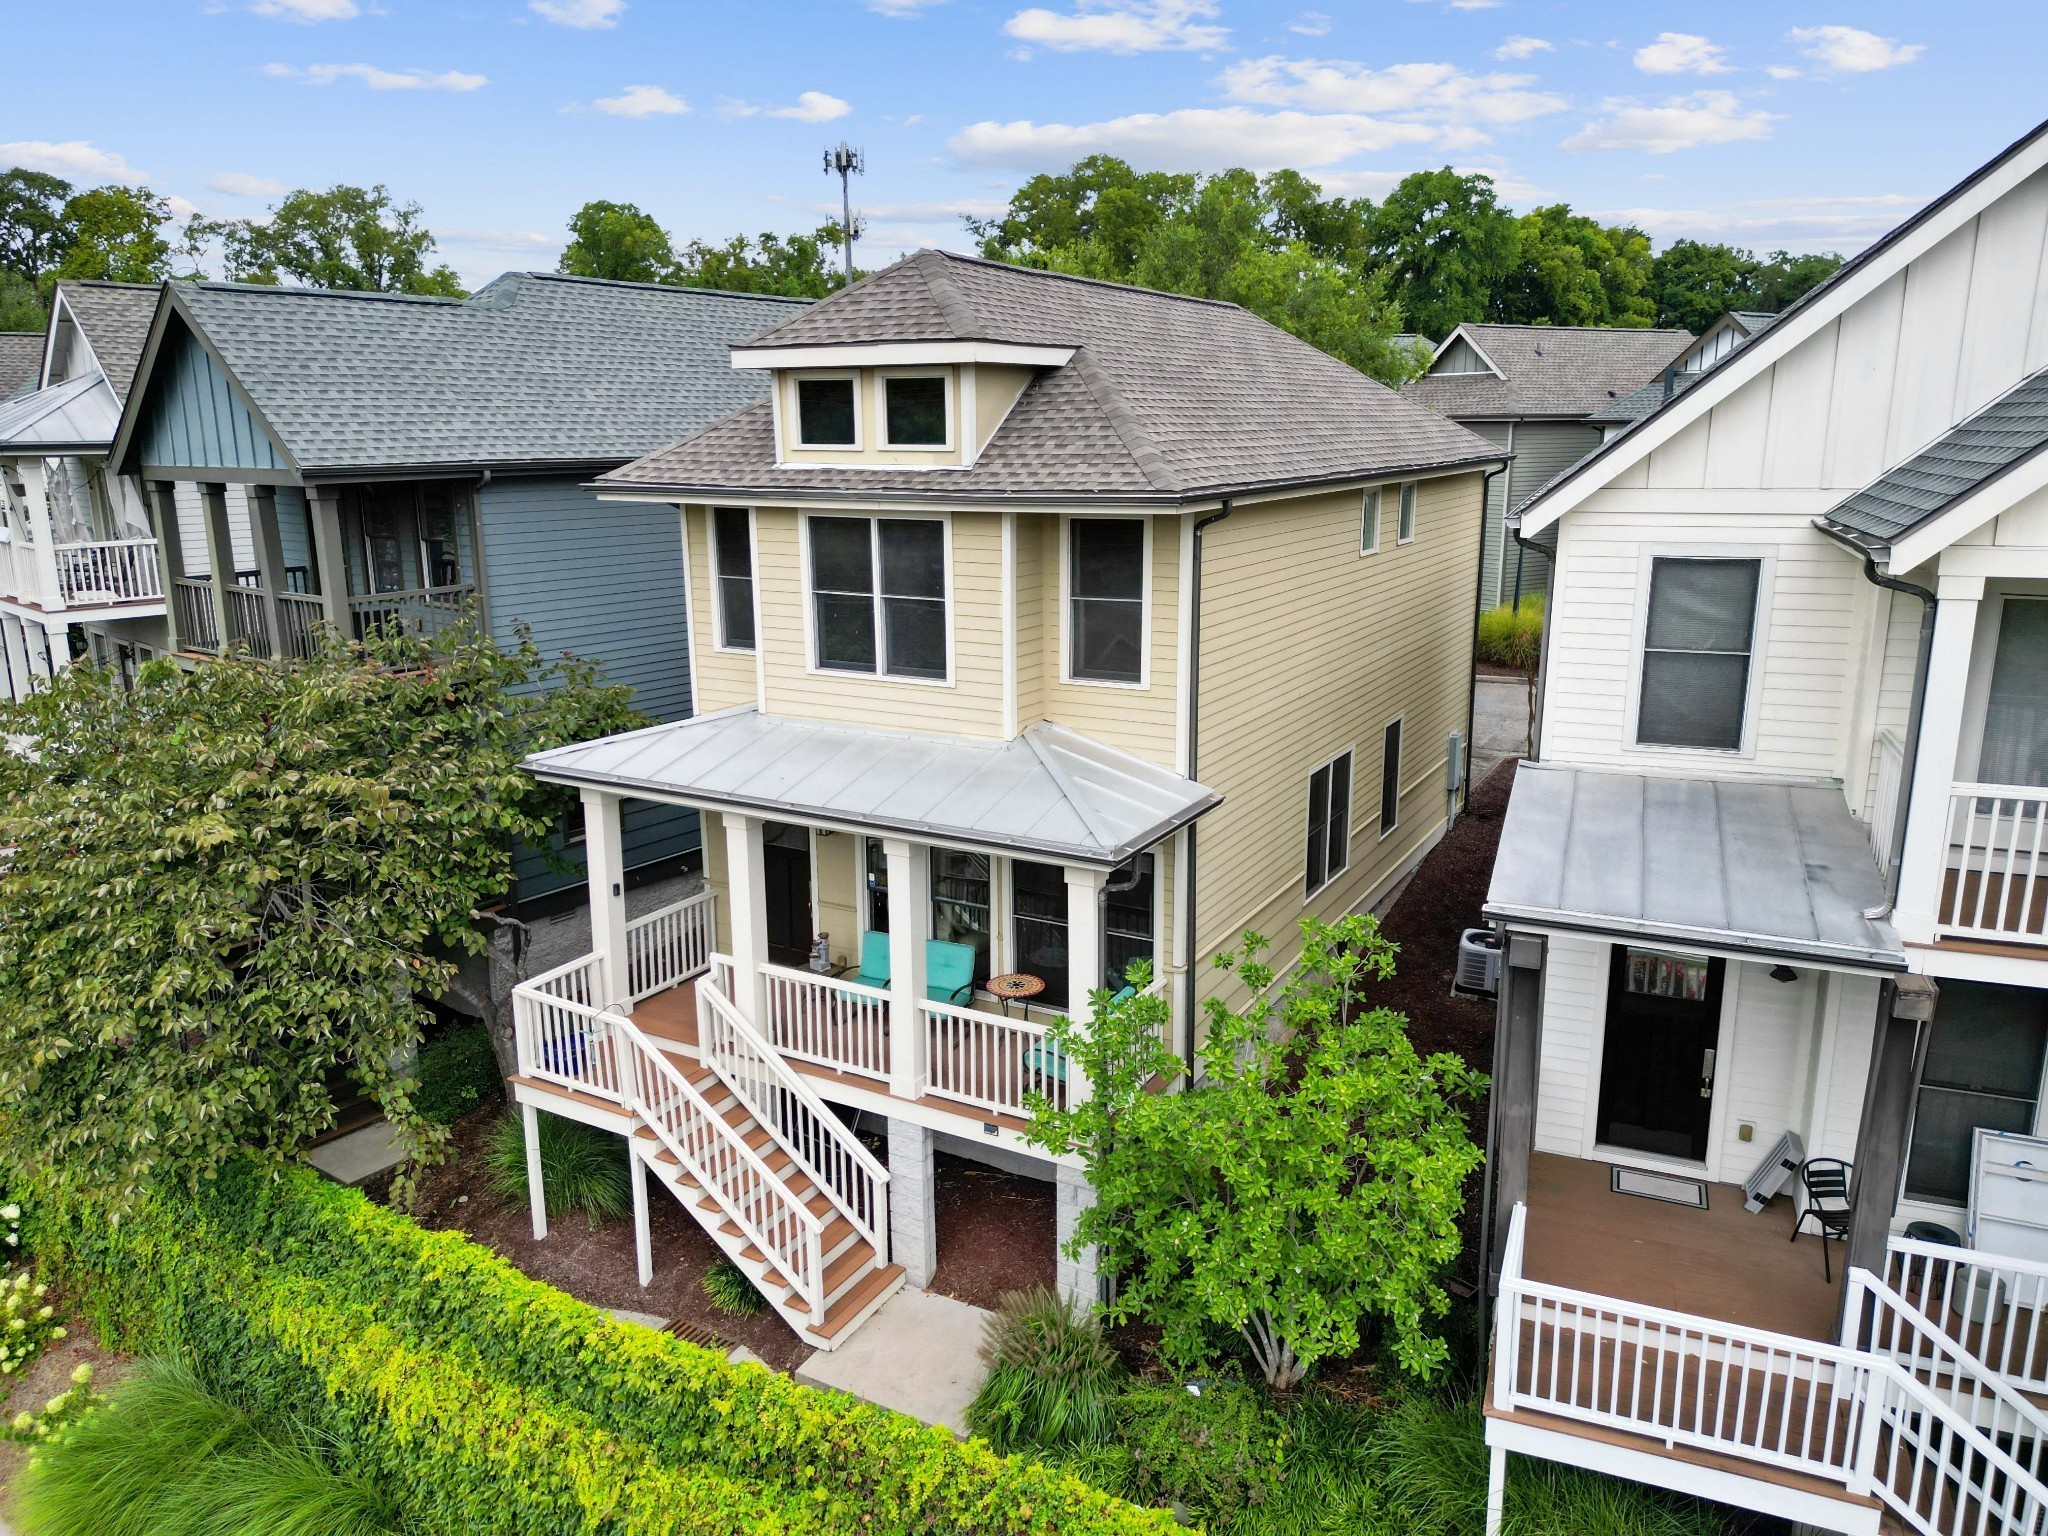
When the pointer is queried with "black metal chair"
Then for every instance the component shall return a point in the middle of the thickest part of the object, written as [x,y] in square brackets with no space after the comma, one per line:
[1827,1204]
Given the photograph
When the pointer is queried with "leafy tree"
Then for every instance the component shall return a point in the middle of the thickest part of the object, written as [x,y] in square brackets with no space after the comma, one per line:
[1572,270]
[228,880]
[1312,1182]
[1448,245]
[117,233]
[1350,316]
[618,241]
[1695,282]
[346,237]
[800,266]
[1097,215]
[33,234]
[1782,278]
[21,308]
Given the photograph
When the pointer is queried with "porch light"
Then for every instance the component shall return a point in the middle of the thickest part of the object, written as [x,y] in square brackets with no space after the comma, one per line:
[1783,972]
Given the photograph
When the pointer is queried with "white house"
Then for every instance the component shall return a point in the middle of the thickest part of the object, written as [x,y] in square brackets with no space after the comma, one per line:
[1773,893]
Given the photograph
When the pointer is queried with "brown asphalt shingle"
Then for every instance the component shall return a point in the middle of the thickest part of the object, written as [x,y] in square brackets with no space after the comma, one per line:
[1550,370]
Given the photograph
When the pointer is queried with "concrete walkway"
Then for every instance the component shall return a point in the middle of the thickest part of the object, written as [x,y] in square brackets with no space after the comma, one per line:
[359,1156]
[1500,724]
[919,1354]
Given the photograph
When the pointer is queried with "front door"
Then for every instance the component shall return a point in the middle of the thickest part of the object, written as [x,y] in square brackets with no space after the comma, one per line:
[1657,1066]
[786,859]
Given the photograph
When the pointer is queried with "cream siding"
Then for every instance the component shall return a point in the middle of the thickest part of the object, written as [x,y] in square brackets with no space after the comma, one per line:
[1029,541]
[996,389]
[869,408]
[722,679]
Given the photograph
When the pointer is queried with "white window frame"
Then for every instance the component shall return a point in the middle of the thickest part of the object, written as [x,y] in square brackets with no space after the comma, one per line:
[1389,828]
[753,581]
[874,544]
[1370,507]
[1067,676]
[1406,515]
[795,412]
[1759,641]
[945,376]
[1330,876]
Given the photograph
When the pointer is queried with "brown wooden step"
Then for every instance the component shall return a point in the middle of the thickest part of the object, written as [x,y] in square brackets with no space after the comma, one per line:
[842,1269]
[843,1311]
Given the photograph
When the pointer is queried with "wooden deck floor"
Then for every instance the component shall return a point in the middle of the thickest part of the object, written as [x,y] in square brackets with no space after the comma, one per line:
[1722,1263]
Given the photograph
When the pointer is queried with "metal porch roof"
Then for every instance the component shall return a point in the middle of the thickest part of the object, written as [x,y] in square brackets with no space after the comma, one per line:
[1771,868]
[78,414]
[1050,791]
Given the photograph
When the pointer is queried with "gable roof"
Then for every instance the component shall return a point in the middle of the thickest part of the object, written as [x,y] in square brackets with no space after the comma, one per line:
[1547,370]
[21,360]
[533,369]
[115,320]
[75,416]
[1866,270]
[1748,324]
[1161,397]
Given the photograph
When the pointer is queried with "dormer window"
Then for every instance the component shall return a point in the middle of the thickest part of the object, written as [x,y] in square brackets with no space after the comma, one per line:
[914,407]
[825,413]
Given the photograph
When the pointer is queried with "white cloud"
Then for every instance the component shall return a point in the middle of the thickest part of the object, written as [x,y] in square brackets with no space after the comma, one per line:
[1310,24]
[1680,122]
[903,10]
[813,107]
[1198,138]
[1475,5]
[641,101]
[1120,26]
[1682,53]
[924,213]
[237,184]
[1513,189]
[1520,47]
[70,158]
[588,15]
[1431,92]
[1783,71]
[308,10]
[380,79]
[1816,223]
[1851,50]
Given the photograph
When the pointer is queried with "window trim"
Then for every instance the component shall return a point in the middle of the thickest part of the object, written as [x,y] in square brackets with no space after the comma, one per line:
[1759,641]
[1407,511]
[1398,723]
[1330,876]
[795,412]
[753,581]
[945,376]
[1067,677]
[1374,497]
[810,606]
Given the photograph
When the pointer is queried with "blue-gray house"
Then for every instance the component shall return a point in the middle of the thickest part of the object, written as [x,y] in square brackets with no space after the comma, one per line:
[356,459]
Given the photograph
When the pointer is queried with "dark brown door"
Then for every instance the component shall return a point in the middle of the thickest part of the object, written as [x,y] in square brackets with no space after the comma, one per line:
[786,857]
[1657,1066]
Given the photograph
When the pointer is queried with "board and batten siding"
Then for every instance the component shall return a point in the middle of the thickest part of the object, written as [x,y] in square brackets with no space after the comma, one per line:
[605,581]
[1542,450]
[194,418]
[1501,434]
[1309,648]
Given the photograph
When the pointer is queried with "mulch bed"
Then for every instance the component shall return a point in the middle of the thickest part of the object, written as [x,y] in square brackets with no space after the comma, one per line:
[996,1232]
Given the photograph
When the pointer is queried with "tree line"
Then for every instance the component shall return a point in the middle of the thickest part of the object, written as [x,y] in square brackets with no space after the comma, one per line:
[1357,278]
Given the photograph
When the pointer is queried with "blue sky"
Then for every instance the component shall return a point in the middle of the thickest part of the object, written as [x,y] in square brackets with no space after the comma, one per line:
[1803,123]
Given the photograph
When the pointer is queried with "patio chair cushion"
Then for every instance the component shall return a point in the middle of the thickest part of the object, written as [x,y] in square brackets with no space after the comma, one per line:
[874,959]
[1044,1059]
[948,971]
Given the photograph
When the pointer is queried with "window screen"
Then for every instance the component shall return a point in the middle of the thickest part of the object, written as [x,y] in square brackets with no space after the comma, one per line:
[1369,523]
[1329,822]
[1407,522]
[960,903]
[824,412]
[913,597]
[733,559]
[896,626]
[916,409]
[1038,922]
[843,592]
[1696,653]
[1126,920]
[1106,576]
[1983,1068]
[2015,747]
[1390,777]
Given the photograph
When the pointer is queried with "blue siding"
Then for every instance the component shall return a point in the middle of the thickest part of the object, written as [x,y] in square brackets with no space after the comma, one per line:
[604,580]
[192,418]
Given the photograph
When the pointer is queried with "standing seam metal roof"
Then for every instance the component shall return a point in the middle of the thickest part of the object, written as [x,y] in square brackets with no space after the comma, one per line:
[78,414]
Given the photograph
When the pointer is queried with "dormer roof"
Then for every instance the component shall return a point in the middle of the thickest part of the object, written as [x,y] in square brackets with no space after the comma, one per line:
[1547,371]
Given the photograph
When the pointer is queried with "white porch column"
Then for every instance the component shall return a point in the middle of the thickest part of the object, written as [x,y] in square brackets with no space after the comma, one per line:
[604,857]
[1084,956]
[746,881]
[43,551]
[14,637]
[1941,727]
[910,929]
[643,1231]
[536,1189]
[913,1214]
[56,645]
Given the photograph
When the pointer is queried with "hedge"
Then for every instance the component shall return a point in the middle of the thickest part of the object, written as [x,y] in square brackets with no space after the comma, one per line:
[493,1403]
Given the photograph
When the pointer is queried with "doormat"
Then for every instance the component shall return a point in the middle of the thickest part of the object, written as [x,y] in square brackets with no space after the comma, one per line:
[1661,1186]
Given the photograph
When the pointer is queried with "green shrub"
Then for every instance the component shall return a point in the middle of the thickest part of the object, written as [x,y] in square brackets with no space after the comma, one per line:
[1511,639]
[727,1288]
[1051,1378]
[582,1168]
[458,1072]
[1211,1445]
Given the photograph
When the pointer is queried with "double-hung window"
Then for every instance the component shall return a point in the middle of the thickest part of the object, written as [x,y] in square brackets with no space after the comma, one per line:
[1127,920]
[878,595]
[914,410]
[1983,1069]
[1106,600]
[1404,527]
[732,561]
[1329,822]
[1369,523]
[1390,777]
[1038,928]
[826,414]
[1696,653]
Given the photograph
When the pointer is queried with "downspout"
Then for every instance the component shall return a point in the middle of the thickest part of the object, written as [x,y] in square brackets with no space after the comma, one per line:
[1902,810]
[1194,745]
[1478,607]
[1543,656]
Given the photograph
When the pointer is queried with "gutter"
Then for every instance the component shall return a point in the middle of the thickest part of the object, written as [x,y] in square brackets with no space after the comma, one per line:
[1194,745]
[1543,656]
[1478,608]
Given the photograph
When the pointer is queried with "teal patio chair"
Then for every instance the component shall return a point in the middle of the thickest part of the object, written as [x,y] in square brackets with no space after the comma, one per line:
[948,972]
[874,965]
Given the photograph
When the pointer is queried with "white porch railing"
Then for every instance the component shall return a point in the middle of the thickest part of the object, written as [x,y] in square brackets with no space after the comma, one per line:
[1884,803]
[828,1022]
[109,571]
[1996,885]
[988,1061]
[563,1035]
[666,948]
[1994,1307]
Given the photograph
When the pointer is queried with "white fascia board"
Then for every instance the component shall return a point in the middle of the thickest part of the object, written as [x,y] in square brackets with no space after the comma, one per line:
[901,354]
[1751,359]
[1470,341]
[1966,514]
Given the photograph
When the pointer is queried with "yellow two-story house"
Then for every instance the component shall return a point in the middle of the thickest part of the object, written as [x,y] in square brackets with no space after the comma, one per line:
[1038,626]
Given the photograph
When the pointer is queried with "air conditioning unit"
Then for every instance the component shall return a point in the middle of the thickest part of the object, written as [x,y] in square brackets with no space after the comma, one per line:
[1478,961]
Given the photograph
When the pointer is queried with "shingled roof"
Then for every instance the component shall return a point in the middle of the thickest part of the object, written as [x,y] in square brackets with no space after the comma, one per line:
[1165,397]
[115,318]
[535,368]
[1567,371]
[21,360]
[2004,434]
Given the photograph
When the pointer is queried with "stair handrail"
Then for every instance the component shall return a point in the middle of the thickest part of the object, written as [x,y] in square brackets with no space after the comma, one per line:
[1958,1362]
[2021,1487]
[646,1056]
[727,1016]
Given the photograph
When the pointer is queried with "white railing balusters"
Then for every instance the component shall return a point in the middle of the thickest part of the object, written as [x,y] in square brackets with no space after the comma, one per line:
[108,571]
[564,1036]
[990,1062]
[1993,1307]
[832,1023]
[1884,802]
[667,947]
[1996,885]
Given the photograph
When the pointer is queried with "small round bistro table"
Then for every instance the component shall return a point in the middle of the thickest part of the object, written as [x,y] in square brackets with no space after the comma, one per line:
[1016,987]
